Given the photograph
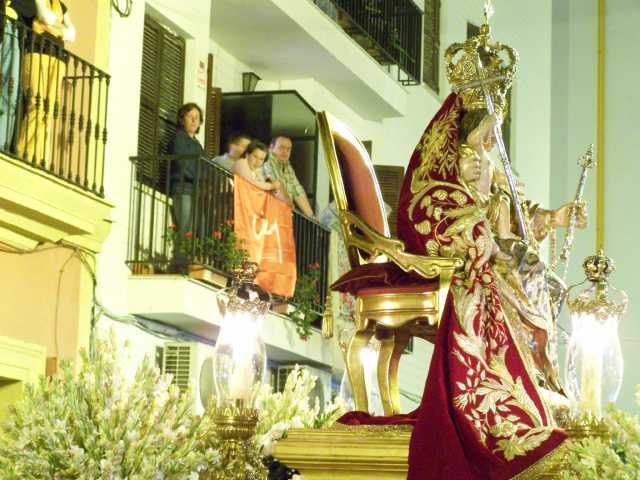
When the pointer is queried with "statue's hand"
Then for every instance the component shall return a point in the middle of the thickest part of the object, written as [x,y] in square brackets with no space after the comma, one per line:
[582,216]
[481,137]
[490,121]
[562,215]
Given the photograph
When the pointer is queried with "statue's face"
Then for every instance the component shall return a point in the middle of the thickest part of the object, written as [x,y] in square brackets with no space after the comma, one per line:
[470,167]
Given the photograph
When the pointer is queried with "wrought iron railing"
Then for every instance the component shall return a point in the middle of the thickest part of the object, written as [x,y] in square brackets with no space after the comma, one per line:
[163,192]
[53,108]
[390,30]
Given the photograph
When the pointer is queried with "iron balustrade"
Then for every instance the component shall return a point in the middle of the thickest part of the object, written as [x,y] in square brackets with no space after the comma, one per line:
[390,31]
[53,110]
[161,185]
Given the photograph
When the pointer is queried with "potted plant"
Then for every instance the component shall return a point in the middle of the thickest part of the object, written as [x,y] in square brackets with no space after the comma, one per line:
[219,253]
[304,299]
[149,263]
[225,248]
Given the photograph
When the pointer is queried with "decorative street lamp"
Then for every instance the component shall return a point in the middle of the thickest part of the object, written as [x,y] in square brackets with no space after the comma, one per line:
[238,366]
[250,81]
[594,364]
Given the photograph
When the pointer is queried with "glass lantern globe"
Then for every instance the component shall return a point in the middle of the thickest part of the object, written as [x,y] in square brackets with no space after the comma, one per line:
[594,366]
[240,356]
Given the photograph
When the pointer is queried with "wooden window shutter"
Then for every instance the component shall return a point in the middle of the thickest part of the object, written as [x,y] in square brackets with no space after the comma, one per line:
[213,114]
[390,180]
[431,44]
[147,133]
[213,117]
[161,94]
[162,86]
[170,88]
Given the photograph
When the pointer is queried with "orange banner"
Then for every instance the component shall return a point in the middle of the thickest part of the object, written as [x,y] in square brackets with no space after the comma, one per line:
[266,226]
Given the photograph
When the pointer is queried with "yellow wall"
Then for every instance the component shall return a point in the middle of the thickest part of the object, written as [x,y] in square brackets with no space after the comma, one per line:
[45,299]
[92,19]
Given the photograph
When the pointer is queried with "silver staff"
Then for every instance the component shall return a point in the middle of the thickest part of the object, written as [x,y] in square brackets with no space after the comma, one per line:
[586,162]
[506,164]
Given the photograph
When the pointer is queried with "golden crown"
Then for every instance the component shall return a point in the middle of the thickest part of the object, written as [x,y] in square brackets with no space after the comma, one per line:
[465,78]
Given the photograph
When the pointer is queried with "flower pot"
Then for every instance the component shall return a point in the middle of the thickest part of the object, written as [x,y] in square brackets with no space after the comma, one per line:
[142,268]
[282,308]
[208,275]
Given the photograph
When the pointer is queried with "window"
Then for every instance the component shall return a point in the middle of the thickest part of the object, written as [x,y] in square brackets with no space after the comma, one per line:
[431,44]
[162,86]
[390,180]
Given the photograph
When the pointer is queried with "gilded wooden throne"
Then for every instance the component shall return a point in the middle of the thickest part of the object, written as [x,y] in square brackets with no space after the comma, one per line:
[398,294]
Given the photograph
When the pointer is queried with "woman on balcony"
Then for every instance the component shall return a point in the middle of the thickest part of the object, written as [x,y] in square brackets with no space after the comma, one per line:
[249,167]
[184,168]
[184,177]
[42,73]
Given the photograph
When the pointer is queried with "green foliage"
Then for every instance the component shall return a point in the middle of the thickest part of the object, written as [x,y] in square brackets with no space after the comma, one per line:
[304,299]
[222,247]
[225,247]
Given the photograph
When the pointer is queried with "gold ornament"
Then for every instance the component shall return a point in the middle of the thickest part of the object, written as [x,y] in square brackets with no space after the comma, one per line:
[461,67]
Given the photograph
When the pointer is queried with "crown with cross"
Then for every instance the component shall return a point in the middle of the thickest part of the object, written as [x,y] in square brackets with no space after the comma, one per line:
[467,75]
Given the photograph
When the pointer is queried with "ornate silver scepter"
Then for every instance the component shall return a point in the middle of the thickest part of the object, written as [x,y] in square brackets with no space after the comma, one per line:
[586,162]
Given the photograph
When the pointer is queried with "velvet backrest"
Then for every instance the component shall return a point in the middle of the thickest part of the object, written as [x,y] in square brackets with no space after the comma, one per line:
[353,180]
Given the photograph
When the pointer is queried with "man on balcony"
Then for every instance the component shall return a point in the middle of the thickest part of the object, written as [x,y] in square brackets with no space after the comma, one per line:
[238,143]
[43,71]
[278,168]
[10,65]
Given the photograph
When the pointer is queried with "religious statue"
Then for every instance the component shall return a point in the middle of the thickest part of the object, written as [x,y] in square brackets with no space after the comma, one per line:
[493,384]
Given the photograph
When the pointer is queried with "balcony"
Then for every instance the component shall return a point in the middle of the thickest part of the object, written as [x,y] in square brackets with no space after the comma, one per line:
[314,47]
[156,254]
[389,30]
[52,145]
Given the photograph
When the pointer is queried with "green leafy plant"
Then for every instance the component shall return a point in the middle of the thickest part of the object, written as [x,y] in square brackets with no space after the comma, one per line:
[304,300]
[182,243]
[222,248]
[226,248]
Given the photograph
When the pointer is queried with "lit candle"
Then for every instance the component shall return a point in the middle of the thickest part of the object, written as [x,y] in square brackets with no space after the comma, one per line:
[591,375]
[241,380]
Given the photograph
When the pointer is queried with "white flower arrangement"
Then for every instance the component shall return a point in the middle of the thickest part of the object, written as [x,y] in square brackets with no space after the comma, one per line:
[290,408]
[97,425]
[616,457]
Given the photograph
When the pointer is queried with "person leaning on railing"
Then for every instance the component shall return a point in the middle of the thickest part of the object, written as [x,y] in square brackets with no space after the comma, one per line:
[249,168]
[42,75]
[237,147]
[279,168]
[184,171]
